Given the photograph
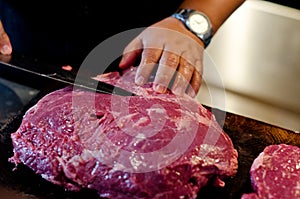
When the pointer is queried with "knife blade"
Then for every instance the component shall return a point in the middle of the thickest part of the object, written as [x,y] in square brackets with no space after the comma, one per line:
[21,66]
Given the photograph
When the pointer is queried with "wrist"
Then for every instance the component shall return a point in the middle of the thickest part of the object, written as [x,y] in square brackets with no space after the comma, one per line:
[216,10]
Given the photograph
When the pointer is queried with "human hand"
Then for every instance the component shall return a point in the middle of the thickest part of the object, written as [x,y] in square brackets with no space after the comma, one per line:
[177,52]
[5,45]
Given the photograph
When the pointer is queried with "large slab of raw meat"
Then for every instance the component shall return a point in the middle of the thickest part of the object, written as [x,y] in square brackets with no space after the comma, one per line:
[146,146]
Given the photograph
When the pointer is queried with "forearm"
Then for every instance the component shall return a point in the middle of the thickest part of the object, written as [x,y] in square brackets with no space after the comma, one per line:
[217,10]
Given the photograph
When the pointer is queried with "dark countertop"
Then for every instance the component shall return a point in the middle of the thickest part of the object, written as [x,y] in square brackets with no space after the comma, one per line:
[13,98]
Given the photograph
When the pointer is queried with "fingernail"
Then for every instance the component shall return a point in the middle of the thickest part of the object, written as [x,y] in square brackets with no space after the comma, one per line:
[122,60]
[6,49]
[140,81]
[191,93]
[159,88]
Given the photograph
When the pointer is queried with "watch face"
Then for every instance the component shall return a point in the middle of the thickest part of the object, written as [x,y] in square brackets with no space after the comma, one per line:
[198,23]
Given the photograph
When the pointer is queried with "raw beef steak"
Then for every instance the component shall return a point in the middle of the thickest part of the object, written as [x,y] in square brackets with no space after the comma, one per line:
[275,173]
[147,146]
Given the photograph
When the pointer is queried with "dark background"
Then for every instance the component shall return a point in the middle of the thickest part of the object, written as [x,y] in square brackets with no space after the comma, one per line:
[65,31]
[289,3]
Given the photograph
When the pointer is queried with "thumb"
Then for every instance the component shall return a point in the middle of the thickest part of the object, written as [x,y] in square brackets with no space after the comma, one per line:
[5,45]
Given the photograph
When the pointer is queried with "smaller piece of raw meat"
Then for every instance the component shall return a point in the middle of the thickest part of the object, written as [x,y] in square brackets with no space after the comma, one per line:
[275,173]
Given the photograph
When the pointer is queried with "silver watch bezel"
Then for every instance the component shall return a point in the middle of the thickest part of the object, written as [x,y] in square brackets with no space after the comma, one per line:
[184,16]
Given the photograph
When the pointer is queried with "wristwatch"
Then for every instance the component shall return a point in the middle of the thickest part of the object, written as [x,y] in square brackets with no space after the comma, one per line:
[197,22]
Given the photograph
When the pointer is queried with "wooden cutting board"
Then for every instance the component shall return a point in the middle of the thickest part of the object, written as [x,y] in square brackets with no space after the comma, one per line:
[249,137]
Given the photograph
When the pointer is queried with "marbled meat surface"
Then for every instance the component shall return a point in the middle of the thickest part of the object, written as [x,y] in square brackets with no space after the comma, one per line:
[275,173]
[146,146]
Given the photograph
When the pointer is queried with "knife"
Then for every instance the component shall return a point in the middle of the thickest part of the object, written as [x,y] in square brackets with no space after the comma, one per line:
[35,71]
